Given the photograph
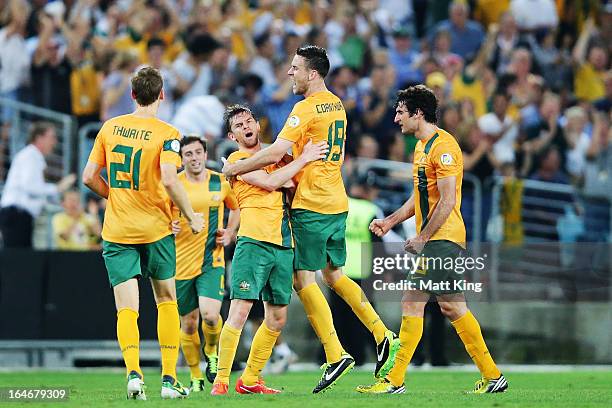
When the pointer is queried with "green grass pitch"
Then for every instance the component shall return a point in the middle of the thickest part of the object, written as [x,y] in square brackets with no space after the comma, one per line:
[424,389]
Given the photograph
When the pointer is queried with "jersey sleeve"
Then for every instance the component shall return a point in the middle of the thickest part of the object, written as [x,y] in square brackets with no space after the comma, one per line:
[297,123]
[230,198]
[98,153]
[170,152]
[447,160]
[234,157]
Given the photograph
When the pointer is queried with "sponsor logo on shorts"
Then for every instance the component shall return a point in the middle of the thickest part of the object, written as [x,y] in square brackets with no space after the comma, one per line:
[244,286]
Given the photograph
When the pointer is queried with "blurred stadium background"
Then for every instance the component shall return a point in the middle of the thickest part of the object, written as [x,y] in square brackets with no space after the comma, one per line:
[524,85]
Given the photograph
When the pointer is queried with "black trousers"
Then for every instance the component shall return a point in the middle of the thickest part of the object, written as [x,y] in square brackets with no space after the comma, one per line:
[16,227]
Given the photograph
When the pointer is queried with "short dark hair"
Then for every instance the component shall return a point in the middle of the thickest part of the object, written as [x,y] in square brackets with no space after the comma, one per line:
[38,129]
[232,111]
[316,58]
[419,97]
[147,85]
[155,42]
[189,139]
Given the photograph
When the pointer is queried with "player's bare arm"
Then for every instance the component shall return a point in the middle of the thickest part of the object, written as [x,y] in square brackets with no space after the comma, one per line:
[446,187]
[178,196]
[270,155]
[92,179]
[280,177]
[381,227]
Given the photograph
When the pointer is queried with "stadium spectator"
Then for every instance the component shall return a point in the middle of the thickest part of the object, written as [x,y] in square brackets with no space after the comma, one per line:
[116,92]
[404,59]
[73,229]
[605,104]
[14,63]
[578,141]
[155,55]
[549,168]
[262,63]
[377,110]
[591,65]
[534,15]
[26,192]
[466,35]
[193,71]
[500,128]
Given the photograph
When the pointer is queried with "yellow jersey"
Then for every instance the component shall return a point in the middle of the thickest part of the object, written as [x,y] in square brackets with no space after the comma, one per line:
[132,148]
[264,215]
[320,117]
[438,156]
[198,252]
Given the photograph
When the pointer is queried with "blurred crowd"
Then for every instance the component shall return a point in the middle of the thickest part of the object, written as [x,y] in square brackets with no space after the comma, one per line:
[524,85]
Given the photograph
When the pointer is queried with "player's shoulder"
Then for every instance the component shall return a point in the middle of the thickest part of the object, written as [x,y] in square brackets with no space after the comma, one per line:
[237,155]
[182,175]
[445,140]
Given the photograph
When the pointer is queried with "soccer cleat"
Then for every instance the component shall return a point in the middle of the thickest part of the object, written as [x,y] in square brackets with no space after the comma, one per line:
[212,363]
[385,354]
[258,388]
[219,389]
[484,385]
[197,385]
[171,388]
[135,387]
[333,372]
[382,386]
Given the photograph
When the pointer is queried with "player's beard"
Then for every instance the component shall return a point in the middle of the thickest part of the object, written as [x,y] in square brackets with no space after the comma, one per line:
[251,142]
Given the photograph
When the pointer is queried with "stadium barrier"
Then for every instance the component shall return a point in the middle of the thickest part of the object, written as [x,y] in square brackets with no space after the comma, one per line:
[544,237]
[23,115]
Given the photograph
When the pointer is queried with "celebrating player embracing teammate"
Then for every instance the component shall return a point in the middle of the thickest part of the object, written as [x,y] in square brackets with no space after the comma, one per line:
[318,214]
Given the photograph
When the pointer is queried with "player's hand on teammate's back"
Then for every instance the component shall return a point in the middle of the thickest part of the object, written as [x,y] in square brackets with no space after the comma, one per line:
[415,245]
[314,151]
[197,223]
[379,227]
[176,227]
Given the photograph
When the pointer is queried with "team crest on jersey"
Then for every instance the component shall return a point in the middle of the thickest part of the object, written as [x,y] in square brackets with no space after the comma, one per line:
[293,121]
[216,197]
[244,286]
[446,159]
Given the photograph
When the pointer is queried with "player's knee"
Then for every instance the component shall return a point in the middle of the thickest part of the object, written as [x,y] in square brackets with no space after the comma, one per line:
[452,310]
[210,317]
[276,321]
[331,276]
[238,314]
[413,308]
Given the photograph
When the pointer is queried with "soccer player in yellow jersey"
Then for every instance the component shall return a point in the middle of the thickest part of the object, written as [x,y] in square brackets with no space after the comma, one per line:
[318,214]
[200,259]
[141,154]
[436,203]
[263,261]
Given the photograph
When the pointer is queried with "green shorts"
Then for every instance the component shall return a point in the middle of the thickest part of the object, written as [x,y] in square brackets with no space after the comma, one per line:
[261,270]
[436,274]
[320,239]
[156,260]
[209,284]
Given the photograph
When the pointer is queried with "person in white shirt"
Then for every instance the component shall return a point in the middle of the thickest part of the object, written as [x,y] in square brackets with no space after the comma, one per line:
[500,128]
[26,192]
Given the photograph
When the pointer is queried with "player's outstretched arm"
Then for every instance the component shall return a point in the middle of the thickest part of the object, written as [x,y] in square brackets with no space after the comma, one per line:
[278,178]
[179,197]
[92,179]
[381,226]
[270,155]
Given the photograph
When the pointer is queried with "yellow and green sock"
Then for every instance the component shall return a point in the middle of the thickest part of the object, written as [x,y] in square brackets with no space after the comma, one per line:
[129,339]
[261,350]
[228,343]
[190,344]
[168,333]
[410,334]
[211,336]
[320,317]
[468,329]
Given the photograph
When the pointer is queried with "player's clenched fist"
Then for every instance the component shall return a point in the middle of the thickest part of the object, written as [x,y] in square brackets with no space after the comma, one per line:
[379,227]
[197,223]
